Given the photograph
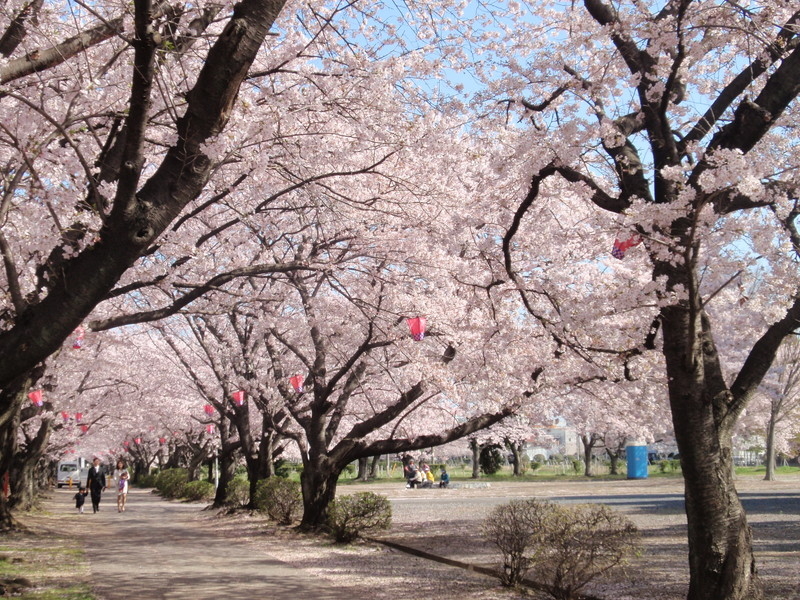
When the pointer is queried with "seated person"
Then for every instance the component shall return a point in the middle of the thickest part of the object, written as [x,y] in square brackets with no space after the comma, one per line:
[427,476]
[419,478]
[444,479]
[410,473]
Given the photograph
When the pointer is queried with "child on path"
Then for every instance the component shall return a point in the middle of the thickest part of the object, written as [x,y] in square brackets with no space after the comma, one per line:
[121,475]
[80,498]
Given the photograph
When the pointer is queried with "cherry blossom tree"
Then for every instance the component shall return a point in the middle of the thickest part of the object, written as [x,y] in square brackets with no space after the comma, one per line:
[70,230]
[354,381]
[781,387]
[674,119]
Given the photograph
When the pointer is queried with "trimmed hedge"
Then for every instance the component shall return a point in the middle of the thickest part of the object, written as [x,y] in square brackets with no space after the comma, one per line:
[170,483]
[198,490]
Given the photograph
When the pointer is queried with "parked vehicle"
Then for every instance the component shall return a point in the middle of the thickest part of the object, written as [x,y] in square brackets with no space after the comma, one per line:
[72,472]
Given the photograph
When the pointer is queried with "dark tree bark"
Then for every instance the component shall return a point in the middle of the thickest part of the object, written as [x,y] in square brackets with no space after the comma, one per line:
[720,543]
[373,466]
[516,452]
[25,468]
[12,398]
[363,469]
[227,459]
[318,481]
[589,440]
[614,455]
[770,450]
[475,447]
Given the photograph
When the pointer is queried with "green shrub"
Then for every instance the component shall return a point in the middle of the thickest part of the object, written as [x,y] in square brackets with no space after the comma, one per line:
[280,498]
[198,490]
[566,547]
[524,463]
[491,459]
[148,481]
[578,466]
[281,468]
[351,516]
[170,483]
[535,466]
[238,492]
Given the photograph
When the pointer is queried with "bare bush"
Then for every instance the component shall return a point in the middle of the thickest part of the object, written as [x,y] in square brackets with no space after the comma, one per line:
[563,547]
[516,528]
[350,516]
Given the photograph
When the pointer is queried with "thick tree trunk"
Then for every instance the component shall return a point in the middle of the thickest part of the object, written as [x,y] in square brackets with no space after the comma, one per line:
[12,398]
[589,442]
[140,469]
[373,466]
[318,482]
[721,562]
[516,452]
[210,471]
[363,465]
[193,468]
[613,457]
[260,466]
[770,476]
[25,469]
[226,463]
[476,458]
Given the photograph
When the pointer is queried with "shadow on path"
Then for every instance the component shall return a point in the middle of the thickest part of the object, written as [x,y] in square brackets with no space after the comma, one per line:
[163,550]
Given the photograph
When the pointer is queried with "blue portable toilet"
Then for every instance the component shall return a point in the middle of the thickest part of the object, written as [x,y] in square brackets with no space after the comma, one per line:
[636,453]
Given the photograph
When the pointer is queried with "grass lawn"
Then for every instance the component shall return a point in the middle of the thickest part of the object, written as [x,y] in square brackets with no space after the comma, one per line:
[52,563]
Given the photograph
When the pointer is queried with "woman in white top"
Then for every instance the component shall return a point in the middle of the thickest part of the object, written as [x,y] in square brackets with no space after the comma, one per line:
[121,476]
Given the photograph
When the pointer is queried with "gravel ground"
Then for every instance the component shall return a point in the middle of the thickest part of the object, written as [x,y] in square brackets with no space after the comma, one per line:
[447,523]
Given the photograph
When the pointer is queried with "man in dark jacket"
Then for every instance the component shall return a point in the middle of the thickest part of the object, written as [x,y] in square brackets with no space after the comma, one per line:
[96,482]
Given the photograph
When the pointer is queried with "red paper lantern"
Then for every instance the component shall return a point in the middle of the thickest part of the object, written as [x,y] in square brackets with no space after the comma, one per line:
[138,440]
[77,342]
[210,428]
[162,440]
[65,416]
[78,417]
[209,409]
[36,397]
[84,428]
[238,398]
[417,327]
[297,383]
[622,246]
[126,443]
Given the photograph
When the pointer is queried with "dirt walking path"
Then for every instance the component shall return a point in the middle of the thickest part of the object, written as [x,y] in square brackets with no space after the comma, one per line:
[174,551]
[165,550]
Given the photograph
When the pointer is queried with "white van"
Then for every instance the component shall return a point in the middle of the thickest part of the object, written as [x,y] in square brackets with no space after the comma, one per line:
[72,471]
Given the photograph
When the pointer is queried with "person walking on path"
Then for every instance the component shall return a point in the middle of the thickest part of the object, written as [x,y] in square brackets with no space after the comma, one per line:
[121,476]
[96,482]
[80,498]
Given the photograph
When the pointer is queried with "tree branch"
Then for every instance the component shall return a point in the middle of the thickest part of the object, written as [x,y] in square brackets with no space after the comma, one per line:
[197,291]
[786,39]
